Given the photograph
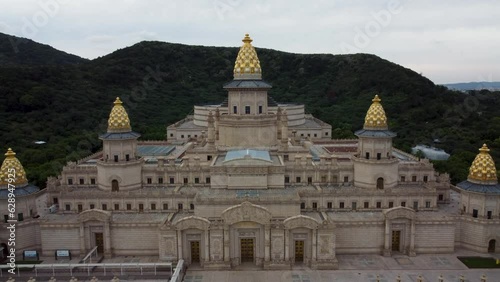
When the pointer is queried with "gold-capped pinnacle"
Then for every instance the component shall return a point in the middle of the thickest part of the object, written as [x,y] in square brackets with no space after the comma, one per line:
[118,101]
[375,118]
[10,153]
[118,118]
[247,39]
[12,168]
[483,170]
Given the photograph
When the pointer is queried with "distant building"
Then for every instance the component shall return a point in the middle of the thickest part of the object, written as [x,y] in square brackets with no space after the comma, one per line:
[431,153]
[252,181]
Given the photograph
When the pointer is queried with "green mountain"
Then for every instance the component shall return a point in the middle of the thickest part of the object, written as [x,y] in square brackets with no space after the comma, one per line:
[22,51]
[67,104]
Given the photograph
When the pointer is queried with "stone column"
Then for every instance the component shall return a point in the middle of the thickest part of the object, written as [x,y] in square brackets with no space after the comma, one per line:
[82,240]
[179,244]
[387,237]
[314,245]
[226,243]
[107,240]
[411,252]
[207,244]
[287,245]
[267,243]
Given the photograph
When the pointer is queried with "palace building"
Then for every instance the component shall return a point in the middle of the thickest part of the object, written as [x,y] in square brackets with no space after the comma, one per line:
[253,181]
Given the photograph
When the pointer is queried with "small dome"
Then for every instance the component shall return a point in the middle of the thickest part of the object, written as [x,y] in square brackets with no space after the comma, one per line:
[482,170]
[118,118]
[375,117]
[12,165]
[247,65]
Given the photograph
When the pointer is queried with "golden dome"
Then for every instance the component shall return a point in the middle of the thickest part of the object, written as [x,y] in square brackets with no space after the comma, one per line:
[483,169]
[375,117]
[118,118]
[12,165]
[247,65]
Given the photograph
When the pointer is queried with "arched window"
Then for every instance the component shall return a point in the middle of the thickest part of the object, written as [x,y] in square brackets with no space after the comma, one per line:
[114,186]
[491,246]
[380,183]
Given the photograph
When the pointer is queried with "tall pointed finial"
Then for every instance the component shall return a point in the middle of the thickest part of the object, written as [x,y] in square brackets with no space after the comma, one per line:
[247,65]
[375,118]
[118,118]
[11,166]
[483,170]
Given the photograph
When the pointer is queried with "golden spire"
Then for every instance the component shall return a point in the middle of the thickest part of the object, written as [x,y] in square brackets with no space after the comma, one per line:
[247,65]
[375,117]
[118,118]
[12,169]
[482,170]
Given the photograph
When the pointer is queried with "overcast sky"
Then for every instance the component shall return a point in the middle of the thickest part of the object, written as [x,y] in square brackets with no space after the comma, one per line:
[445,40]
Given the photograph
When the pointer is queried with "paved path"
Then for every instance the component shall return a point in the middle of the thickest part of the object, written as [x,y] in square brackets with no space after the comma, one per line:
[362,268]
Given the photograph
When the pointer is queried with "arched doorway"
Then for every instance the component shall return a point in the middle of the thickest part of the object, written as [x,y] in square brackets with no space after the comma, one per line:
[114,186]
[491,246]
[380,183]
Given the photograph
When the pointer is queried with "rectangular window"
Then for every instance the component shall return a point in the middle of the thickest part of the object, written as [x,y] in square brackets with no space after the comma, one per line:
[428,204]
[287,179]
[415,206]
[379,156]
[315,206]
[403,178]
[172,180]
[165,206]
[116,158]
[207,180]
[235,109]
[323,179]
[346,179]
[354,205]
[488,214]
[260,109]
[149,180]
[285,158]
[80,207]
[367,155]
[403,204]
[182,136]
[302,206]
[129,207]
[117,207]
[153,207]
[196,180]
[297,179]
[341,205]
[440,197]
[426,178]
[315,135]
[191,207]
[70,181]
[474,213]
[160,180]
[366,205]
[309,180]
[68,207]
[82,181]
[92,206]
[247,110]
[329,205]
[92,181]
[5,218]
[141,207]
[179,206]
[185,180]
[414,178]
[20,216]
[379,205]
[209,158]
[391,204]
[127,157]
[104,207]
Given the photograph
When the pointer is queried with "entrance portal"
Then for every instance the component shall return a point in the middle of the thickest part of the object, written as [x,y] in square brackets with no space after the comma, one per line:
[491,246]
[396,239]
[299,251]
[99,242]
[195,251]
[247,249]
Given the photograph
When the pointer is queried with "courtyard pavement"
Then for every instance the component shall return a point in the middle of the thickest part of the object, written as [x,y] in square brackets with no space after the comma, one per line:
[361,268]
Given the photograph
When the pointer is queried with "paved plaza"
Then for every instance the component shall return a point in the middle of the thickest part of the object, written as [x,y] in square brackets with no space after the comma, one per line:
[361,268]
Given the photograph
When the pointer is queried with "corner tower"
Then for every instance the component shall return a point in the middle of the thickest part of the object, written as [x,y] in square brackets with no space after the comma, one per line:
[374,165]
[120,167]
[248,122]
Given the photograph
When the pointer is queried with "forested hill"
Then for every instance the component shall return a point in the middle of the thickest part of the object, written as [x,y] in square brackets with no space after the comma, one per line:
[67,105]
[22,51]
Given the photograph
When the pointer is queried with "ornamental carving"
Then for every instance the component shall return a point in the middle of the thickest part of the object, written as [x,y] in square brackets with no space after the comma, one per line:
[192,222]
[170,248]
[216,247]
[277,246]
[94,214]
[399,212]
[324,244]
[246,211]
[299,221]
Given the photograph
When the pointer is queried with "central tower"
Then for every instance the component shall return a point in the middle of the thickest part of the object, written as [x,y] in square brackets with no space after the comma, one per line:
[248,122]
